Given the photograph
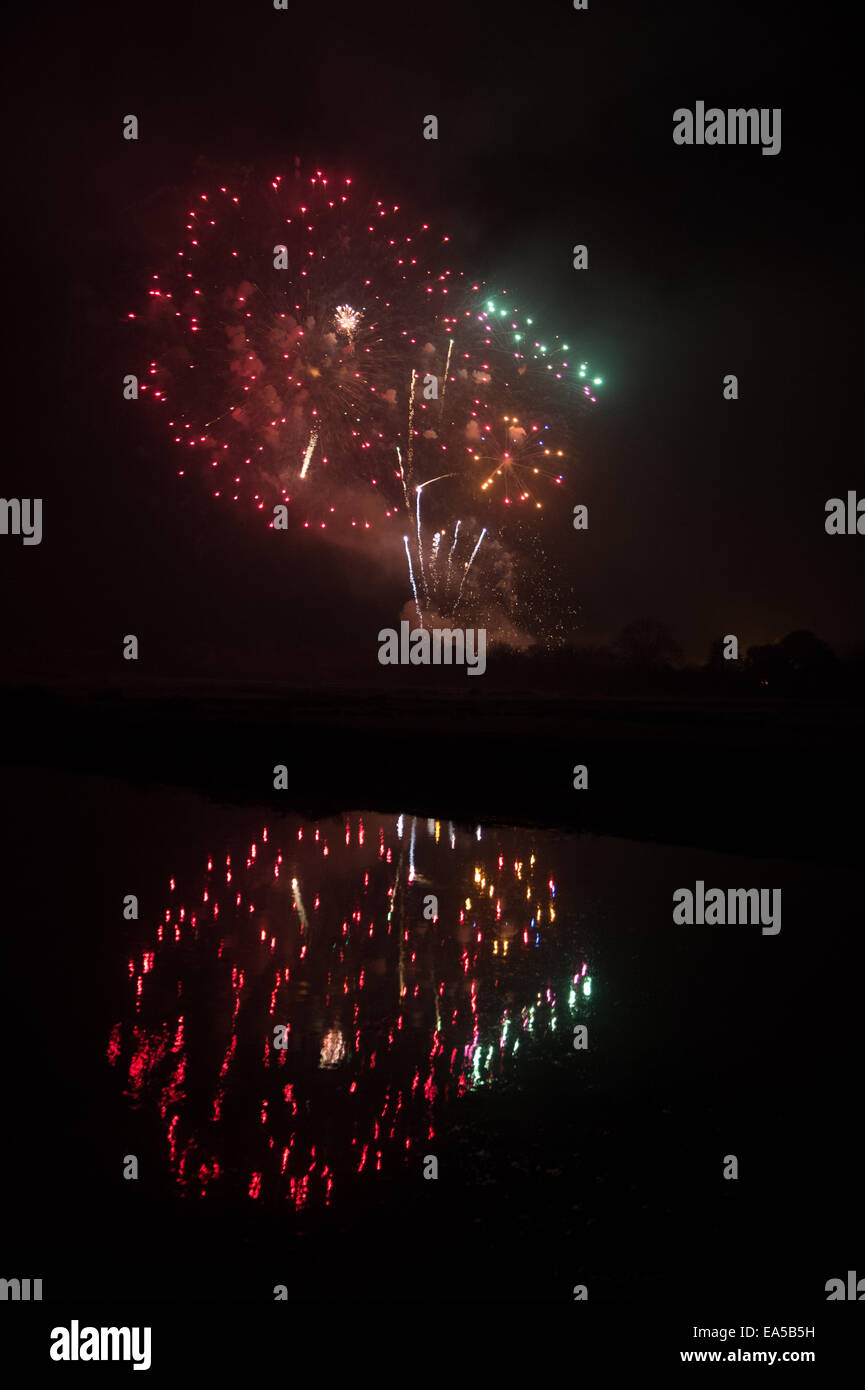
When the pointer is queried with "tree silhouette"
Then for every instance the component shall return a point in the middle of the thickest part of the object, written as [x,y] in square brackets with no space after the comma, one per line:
[648,645]
[800,663]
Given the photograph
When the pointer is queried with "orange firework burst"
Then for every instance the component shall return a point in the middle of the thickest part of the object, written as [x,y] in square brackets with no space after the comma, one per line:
[516,457]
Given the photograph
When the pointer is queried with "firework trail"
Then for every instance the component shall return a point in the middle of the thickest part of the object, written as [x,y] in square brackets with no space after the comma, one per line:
[411,580]
[310,448]
[445,377]
[436,542]
[454,546]
[441,478]
[402,478]
[468,567]
[410,455]
[420,547]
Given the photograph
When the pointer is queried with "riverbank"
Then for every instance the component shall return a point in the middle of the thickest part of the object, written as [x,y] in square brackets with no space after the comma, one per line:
[757,777]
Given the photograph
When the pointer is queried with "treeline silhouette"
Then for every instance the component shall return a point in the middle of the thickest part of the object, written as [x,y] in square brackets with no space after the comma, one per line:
[645,659]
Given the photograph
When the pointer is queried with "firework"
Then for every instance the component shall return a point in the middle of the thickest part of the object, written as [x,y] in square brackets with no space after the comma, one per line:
[285,333]
[516,456]
[539,367]
[313,350]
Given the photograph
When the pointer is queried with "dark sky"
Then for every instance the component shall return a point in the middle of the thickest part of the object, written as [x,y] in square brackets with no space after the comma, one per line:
[555,128]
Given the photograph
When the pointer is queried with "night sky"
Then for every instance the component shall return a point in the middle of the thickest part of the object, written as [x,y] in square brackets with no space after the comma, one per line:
[555,128]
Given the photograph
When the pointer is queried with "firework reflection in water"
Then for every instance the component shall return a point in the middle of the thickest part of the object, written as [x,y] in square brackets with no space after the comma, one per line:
[315,936]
